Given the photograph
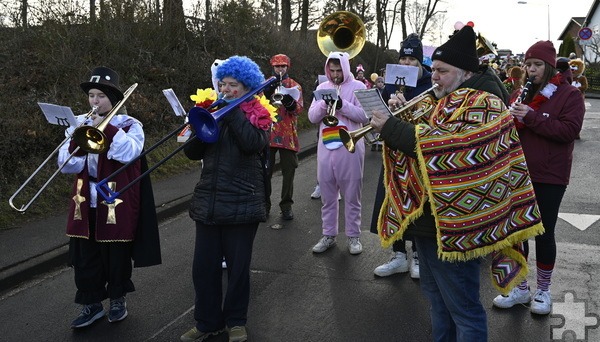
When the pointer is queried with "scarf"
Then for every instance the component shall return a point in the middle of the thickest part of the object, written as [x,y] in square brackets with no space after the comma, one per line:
[539,98]
[471,170]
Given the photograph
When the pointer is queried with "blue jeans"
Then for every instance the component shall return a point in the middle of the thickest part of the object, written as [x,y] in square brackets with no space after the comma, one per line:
[453,290]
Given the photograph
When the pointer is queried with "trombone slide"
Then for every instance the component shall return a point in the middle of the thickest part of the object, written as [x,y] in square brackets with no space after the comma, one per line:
[205,125]
[25,206]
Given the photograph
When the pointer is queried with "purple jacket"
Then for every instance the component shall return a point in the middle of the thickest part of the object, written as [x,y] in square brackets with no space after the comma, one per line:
[549,135]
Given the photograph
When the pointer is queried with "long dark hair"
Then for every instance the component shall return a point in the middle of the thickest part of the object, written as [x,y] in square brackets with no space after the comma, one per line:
[549,72]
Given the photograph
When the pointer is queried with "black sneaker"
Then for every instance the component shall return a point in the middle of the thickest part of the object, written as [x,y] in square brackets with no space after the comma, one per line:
[287,214]
[118,310]
[88,315]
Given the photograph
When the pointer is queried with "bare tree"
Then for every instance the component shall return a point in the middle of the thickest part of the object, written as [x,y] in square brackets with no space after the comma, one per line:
[24,9]
[174,20]
[286,15]
[92,11]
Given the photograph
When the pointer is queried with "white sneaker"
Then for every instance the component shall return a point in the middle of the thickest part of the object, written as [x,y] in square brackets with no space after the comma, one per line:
[339,196]
[224,264]
[317,193]
[414,266]
[354,245]
[397,264]
[541,303]
[324,244]
[515,296]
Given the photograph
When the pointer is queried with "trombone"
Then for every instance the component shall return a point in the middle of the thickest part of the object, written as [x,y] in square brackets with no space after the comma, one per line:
[97,142]
[50,157]
[206,128]
[92,139]
[349,139]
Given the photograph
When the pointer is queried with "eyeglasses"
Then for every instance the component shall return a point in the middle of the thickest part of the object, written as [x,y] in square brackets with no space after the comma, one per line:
[280,66]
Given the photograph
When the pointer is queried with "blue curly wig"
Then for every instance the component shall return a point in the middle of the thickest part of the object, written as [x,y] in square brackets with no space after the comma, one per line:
[243,69]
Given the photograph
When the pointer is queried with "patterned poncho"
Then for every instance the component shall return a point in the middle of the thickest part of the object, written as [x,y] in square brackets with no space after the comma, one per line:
[471,169]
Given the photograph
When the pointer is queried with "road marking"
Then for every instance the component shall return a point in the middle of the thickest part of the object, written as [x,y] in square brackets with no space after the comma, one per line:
[579,221]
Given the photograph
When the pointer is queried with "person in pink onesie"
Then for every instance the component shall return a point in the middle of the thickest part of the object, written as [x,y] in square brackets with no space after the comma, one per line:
[339,171]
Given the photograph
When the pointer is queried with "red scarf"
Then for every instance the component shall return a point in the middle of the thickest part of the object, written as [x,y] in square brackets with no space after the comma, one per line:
[538,99]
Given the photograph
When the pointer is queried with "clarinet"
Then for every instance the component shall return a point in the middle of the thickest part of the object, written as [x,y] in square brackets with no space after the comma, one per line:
[526,89]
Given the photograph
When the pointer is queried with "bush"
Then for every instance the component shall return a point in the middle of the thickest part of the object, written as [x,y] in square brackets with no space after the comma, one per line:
[47,63]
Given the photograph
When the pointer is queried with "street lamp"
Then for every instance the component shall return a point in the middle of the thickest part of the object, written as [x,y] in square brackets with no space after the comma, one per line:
[547,6]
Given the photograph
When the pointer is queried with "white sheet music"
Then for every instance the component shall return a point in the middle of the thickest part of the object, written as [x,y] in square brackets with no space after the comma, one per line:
[370,100]
[58,115]
[174,102]
[406,75]
[325,94]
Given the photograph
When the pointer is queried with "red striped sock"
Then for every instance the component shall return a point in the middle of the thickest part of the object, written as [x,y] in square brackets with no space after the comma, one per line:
[544,274]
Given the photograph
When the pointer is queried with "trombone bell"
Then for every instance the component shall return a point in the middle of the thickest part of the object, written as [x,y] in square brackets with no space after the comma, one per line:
[90,139]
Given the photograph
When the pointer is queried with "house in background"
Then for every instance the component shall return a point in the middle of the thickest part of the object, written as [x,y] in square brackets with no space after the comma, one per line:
[572,30]
[591,47]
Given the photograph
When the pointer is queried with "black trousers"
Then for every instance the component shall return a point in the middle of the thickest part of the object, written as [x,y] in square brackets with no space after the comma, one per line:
[102,269]
[234,242]
[288,161]
[549,197]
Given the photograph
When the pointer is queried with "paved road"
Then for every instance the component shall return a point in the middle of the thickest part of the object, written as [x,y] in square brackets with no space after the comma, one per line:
[334,296]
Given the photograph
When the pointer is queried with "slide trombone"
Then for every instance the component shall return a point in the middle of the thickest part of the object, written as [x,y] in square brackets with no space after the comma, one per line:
[49,158]
[88,138]
[206,127]
[92,139]
[349,139]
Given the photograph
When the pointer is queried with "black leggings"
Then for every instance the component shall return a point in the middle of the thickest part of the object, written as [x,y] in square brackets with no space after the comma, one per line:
[549,197]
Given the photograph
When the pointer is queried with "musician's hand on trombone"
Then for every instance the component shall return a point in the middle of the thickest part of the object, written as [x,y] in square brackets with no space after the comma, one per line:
[378,120]
[96,119]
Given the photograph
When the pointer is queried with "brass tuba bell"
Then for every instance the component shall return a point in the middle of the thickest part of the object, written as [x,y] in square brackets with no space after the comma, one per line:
[484,46]
[341,31]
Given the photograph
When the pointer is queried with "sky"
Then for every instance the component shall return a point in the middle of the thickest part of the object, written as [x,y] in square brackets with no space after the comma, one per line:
[511,25]
[505,22]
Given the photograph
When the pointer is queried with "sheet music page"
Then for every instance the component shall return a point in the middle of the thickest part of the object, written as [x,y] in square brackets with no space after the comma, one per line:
[325,94]
[58,115]
[174,102]
[370,100]
[401,75]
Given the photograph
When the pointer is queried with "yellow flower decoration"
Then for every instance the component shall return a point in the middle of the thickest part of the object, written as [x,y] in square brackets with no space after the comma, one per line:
[267,104]
[204,97]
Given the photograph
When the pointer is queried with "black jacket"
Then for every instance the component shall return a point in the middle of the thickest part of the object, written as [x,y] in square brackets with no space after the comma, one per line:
[232,184]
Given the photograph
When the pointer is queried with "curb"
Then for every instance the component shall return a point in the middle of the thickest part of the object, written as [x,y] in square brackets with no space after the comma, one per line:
[57,257]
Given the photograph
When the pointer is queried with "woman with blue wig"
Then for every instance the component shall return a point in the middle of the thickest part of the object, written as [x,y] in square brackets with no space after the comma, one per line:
[228,203]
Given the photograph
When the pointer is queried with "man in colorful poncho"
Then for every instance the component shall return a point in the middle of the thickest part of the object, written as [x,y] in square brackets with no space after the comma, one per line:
[457,181]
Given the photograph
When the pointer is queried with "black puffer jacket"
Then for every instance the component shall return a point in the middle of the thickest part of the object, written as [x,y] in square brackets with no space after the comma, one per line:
[232,184]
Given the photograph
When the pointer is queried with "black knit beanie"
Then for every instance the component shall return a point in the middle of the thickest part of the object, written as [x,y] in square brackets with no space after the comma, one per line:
[460,50]
[412,47]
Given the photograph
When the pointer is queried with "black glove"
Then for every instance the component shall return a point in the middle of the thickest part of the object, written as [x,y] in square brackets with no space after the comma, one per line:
[339,103]
[270,89]
[288,102]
